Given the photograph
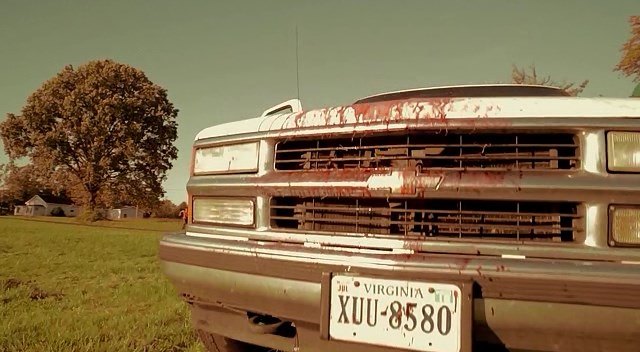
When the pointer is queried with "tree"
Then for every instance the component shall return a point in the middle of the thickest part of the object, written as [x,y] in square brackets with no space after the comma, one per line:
[524,76]
[629,64]
[166,209]
[103,129]
[21,182]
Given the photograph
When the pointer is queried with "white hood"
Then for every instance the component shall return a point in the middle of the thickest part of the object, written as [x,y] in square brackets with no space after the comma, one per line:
[433,109]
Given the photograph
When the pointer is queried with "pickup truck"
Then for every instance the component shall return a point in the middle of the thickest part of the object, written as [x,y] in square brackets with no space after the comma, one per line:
[450,219]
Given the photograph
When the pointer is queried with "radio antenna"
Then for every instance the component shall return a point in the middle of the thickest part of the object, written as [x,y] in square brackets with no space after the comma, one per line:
[297,65]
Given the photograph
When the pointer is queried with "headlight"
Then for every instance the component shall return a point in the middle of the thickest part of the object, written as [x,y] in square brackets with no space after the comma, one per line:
[623,149]
[226,158]
[625,225]
[223,211]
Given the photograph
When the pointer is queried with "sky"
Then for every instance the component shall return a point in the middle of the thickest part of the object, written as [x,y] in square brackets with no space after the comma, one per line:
[225,61]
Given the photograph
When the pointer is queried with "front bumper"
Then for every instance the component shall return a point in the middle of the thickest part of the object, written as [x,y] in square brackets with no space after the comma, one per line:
[523,304]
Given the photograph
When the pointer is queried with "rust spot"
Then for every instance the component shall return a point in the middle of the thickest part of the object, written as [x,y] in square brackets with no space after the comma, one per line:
[297,118]
[384,112]
[440,107]
[398,314]
[409,309]
[412,245]
[464,263]
[404,181]
[455,295]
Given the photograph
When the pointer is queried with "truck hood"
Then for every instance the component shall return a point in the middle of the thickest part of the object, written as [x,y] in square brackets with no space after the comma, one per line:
[432,110]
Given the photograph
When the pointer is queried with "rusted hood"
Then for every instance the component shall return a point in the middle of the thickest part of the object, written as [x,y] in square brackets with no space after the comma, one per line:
[433,110]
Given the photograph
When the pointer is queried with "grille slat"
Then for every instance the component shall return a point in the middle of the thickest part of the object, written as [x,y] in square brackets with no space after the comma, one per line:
[423,146]
[432,150]
[435,211]
[428,218]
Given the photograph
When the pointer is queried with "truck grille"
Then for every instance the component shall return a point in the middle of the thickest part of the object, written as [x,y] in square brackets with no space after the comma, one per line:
[428,218]
[432,150]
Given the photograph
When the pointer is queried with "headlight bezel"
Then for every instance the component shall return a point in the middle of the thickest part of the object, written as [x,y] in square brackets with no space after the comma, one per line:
[242,170]
[610,153]
[612,240]
[251,200]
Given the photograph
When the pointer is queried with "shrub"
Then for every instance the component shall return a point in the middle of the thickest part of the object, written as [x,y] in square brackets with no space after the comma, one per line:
[57,211]
[91,216]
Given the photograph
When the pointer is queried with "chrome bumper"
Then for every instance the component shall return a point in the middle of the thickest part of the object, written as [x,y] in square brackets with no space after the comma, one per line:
[530,304]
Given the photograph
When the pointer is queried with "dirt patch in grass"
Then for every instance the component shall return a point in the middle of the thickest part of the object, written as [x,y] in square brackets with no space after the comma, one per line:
[34,292]
[38,294]
[11,283]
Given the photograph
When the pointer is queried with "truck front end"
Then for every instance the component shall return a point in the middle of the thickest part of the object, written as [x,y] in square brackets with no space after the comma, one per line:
[418,223]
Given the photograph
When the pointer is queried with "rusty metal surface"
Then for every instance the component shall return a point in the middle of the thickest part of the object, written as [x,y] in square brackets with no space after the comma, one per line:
[441,111]
[582,282]
[520,301]
[401,161]
[590,186]
[431,150]
[428,219]
[612,331]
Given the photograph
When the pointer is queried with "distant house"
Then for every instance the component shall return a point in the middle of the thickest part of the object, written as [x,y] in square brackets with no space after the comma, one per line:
[126,212]
[44,205]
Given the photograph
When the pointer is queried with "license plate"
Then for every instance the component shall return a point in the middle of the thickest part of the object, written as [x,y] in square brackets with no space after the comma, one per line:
[420,316]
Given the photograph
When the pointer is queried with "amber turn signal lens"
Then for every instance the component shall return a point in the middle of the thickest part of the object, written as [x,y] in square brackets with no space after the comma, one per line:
[625,225]
[623,149]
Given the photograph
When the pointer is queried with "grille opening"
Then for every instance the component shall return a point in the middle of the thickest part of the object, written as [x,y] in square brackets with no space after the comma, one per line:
[432,150]
[428,218]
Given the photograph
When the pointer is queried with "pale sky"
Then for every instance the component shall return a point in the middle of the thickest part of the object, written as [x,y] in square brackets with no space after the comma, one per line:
[224,61]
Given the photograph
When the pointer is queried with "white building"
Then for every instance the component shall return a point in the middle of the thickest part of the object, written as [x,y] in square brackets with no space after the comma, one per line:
[44,205]
[127,212]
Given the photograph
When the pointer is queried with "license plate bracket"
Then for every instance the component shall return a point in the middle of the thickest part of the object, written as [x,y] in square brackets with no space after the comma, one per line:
[419,314]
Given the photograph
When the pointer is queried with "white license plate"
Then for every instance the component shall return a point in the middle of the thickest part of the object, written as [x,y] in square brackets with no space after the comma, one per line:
[413,315]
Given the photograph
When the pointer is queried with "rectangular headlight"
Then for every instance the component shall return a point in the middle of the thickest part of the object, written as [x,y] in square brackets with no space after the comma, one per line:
[623,151]
[226,158]
[625,225]
[229,211]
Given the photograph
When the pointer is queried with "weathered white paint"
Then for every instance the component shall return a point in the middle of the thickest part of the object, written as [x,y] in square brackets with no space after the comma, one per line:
[294,104]
[455,108]
[231,128]
[397,180]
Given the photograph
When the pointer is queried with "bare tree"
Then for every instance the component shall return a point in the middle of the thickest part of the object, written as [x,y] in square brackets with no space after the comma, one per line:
[530,76]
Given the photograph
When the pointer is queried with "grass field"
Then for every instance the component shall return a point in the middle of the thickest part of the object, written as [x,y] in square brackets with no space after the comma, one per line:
[71,287]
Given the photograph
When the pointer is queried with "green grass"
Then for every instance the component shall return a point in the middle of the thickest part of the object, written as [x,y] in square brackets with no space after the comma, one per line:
[162,225]
[70,287]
